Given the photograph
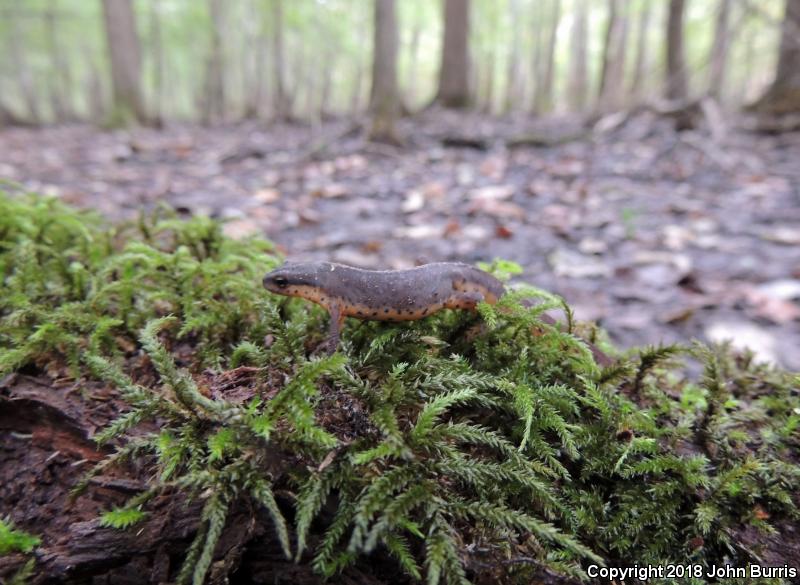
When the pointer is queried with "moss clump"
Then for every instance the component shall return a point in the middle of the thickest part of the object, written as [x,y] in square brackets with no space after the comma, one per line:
[500,458]
[12,540]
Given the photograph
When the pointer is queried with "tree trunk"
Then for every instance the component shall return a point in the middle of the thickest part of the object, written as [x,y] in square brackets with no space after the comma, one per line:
[538,59]
[642,63]
[214,107]
[280,101]
[157,50]
[544,101]
[579,70]
[719,50]
[677,87]
[613,75]
[454,72]
[783,96]
[384,97]
[126,62]
[27,88]
[514,85]
[61,81]
[254,50]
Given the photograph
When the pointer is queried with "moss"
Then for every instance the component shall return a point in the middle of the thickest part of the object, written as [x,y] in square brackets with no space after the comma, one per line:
[497,457]
[12,540]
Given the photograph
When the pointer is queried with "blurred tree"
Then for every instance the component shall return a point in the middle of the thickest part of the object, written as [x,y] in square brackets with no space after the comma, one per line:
[255,41]
[15,49]
[515,81]
[719,50]
[579,69]
[126,62]
[642,58]
[213,99]
[677,84]
[783,96]
[60,83]
[280,100]
[543,98]
[613,73]
[157,52]
[384,98]
[454,72]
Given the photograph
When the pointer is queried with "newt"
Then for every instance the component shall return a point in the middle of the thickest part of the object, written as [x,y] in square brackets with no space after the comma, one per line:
[386,295]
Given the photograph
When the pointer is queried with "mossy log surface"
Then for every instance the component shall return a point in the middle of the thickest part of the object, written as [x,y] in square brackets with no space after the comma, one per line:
[163,419]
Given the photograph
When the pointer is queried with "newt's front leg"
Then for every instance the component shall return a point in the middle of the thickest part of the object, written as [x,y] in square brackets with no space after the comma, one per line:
[334,332]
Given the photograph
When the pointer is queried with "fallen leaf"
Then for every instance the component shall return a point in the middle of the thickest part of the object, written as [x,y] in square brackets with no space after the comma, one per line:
[452,228]
[372,246]
[787,235]
[592,246]
[414,201]
[502,231]
[492,192]
[330,191]
[267,195]
[239,229]
[743,335]
[503,209]
[773,309]
[418,232]
[575,265]
[493,167]
[760,513]
[785,289]
[678,317]
[353,257]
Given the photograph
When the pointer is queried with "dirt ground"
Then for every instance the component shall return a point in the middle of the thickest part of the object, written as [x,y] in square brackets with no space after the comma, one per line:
[659,236]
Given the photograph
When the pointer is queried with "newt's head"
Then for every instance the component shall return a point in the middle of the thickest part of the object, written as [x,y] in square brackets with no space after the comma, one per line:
[298,279]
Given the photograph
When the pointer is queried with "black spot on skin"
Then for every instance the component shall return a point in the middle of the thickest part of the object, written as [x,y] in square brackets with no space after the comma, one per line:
[359,313]
[424,311]
[386,310]
[374,313]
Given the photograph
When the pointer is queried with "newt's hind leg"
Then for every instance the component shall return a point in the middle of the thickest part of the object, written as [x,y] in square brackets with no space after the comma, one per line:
[464,300]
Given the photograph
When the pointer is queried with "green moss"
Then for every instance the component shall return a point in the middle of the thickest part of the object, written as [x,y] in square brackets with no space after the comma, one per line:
[12,540]
[498,456]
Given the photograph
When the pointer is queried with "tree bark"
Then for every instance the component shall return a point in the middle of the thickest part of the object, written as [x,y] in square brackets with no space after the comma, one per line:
[642,63]
[126,62]
[254,56]
[544,95]
[719,50]
[280,101]
[579,70]
[783,95]
[677,85]
[157,49]
[454,91]
[61,79]
[27,88]
[515,82]
[214,106]
[613,74]
[384,97]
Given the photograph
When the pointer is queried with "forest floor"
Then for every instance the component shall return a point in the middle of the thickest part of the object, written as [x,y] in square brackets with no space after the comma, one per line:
[658,236]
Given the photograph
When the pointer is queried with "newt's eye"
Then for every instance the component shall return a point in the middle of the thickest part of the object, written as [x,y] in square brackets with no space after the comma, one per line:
[281,281]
